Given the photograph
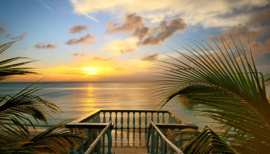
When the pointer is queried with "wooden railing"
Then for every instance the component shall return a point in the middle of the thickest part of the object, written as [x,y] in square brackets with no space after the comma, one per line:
[98,133]
[99,123]
[132,118]
[99,143]
[159,143]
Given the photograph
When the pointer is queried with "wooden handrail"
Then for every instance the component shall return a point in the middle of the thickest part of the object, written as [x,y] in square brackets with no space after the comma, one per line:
[177,150]
[92,146]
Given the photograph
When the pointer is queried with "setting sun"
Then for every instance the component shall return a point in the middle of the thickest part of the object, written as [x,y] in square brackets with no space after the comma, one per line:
[91,70]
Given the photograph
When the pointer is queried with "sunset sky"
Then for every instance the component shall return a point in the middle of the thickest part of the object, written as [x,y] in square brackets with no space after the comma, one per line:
[121,40]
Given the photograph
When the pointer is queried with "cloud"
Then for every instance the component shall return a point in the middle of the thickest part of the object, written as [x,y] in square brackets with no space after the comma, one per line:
[8,35]
[260,19]
[20,37]
[101,59]
[43,46]
[221,13]
[131,21]
[257,26]
[78,29]
[148,35]
[164,30]
[117,47]
[78,54]
[84,40]
[151,57]
[2,29]
[83,55]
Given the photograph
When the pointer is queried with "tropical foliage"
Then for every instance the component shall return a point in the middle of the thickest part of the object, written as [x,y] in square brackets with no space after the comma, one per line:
[223,82]
[19,113]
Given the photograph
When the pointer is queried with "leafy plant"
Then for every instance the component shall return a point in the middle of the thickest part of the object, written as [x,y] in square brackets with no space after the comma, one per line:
[225,85]
[18,112]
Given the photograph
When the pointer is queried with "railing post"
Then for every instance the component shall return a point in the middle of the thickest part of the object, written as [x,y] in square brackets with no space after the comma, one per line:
[82,143]
[109,135]
[152,140]
[156,143]
[73,150]
[152,116]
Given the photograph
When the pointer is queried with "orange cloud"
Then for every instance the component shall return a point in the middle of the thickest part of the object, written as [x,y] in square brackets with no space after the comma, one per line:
[151,57]
[101,59]
[84,40]
[20,37]
[148,35]
[78,29]
[42,46]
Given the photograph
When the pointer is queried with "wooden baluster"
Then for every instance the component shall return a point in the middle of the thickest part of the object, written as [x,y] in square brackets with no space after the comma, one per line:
[128,120]
[103,144]
[152,140]
[163,118]
[133,119]
[122,120]
[164,147]
[116,120]
[104,117]
[109,140]
[73,150]
[110,116]
[152,116]
[140,120]
[145,120]
[157,117]
[156,143]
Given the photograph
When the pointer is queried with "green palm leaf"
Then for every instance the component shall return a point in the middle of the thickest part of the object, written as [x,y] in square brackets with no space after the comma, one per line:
[207,142]
[226,87]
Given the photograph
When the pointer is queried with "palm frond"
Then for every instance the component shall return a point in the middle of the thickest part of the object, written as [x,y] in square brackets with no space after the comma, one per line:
[8,68]
[227,88]
[207,142]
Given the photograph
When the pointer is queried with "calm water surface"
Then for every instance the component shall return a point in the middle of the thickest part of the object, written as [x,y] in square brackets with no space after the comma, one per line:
[77,99]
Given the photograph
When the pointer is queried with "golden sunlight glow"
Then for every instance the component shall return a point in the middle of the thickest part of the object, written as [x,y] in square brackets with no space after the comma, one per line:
[91,70]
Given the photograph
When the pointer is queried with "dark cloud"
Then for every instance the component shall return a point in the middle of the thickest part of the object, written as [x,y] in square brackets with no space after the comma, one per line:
[2,29]
[256,28]
[151,57]
[78,29]
[84,40]
[101,59]
[164,30]
[43,46]
[148,35]
[8,35]
[260,19]
[131,21]
[20,37]
[256,33]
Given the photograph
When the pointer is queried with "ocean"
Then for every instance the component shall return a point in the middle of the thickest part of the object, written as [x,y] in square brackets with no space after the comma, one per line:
[79,98]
